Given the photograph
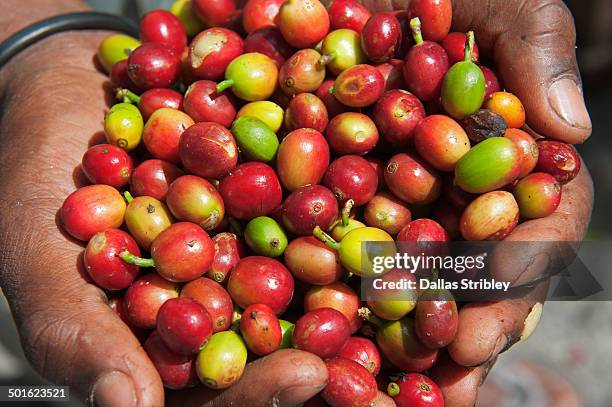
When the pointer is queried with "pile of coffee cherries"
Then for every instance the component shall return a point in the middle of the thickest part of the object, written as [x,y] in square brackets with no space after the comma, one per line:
[244,168]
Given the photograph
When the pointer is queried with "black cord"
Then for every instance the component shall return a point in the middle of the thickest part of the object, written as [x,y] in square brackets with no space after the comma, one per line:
[66,22]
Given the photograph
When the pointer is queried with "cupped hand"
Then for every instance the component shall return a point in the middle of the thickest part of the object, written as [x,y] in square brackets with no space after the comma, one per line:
[533,45]
[54,102]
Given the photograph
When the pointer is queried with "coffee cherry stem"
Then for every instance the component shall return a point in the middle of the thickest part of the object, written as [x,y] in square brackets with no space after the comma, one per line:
[326,59]
[415,26]
[130,258]
[325,238]
[366,313]
[237,314]
[346,212]
[469,47]
[127,96]
[128,197]
[226,84]
[236,317]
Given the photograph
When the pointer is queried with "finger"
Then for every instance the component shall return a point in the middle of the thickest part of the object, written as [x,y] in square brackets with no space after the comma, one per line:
[287,377]
[568,224]
[459,384]
[74,338]
[487,329]
[534,46]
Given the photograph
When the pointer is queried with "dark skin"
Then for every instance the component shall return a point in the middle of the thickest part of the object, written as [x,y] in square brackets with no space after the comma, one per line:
[53,103]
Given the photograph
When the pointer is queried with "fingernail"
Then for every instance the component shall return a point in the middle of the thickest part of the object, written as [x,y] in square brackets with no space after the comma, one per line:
[532,321]
[487,370]
[294,396]
[113,389]
[566,99]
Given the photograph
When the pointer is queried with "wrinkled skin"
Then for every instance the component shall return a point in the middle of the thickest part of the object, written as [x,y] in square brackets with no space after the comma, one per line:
[54,101]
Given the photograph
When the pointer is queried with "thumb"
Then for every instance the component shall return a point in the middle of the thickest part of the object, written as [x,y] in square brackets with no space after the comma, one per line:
[459,384]
[74,338]
[534,47]
[284,378]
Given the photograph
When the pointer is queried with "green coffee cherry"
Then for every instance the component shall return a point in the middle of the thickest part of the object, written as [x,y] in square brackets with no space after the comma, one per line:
[393,389]
[463,89]
[183,9]
[251,77]
[123,126]
[115,48]
[265,236]
[339,231]
[489,165]
[268,112]
[146,218]
[257,141]
[352,257]
[287,331]
[341,50]
[222,361]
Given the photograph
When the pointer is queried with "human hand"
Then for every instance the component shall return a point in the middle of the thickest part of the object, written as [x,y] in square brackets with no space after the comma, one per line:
[45,129]
[54,103]
[533,46]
